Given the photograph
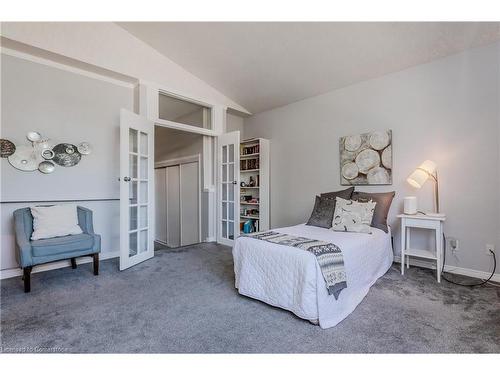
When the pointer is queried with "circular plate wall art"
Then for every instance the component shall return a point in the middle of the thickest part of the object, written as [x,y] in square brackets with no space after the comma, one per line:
[66,155]
[34,136]
[46,167]
[7,148]
[84,148]
[24,159]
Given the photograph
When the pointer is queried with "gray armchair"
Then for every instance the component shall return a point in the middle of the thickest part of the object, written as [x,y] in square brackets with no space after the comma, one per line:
[33,252]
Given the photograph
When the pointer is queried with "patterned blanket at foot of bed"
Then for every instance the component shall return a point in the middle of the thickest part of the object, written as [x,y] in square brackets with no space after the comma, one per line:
[328,256]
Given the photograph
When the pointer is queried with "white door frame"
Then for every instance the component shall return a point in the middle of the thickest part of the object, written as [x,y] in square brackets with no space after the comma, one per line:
[148,106]
[179,161]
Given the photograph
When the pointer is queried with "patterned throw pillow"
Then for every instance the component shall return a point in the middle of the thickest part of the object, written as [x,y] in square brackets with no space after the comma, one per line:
[353,216]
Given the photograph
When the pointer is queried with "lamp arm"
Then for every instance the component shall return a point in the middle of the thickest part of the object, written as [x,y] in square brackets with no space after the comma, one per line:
[436,187]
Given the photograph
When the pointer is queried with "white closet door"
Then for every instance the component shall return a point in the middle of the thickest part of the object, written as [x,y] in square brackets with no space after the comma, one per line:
[161,205]
[190,189]
[173,206]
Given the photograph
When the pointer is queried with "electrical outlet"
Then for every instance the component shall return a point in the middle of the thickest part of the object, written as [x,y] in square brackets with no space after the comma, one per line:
[490,248]
[453,244]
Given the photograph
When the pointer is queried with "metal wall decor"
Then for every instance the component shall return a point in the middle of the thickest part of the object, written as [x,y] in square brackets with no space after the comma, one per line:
[42,155]
[66,155]
[7,148]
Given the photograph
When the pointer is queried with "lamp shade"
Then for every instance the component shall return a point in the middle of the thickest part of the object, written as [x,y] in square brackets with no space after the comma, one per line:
[421,174]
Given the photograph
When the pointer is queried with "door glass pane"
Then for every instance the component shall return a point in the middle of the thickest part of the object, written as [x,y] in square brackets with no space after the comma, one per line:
[143,241]
[224,210]
[231,211]
[224,229]
[231,153]
[133,218]
[143,216]
[231,192]
[132,244]
[184,112]
[143,192]
[144,143]
[231,172]
[133,192]
[231,230]
[224,154]
[144,168]
[133,166]
[132,139]
[224,192]
[224,172]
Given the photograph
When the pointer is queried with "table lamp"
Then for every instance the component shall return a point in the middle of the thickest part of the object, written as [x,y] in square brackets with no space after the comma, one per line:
[418,178]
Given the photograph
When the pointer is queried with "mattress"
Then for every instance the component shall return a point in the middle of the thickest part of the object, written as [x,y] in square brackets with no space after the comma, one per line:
[291,279]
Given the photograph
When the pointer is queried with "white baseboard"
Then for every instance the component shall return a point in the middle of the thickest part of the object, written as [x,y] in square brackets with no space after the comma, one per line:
[210,239]
[452,269]
[13,272]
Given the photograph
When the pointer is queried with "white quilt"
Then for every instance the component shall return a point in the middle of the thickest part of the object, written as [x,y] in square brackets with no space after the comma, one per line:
[290,278]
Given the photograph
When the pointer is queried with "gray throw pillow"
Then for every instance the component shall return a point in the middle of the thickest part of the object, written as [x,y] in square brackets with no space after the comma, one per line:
[383,200]
[344,194]
[322,214]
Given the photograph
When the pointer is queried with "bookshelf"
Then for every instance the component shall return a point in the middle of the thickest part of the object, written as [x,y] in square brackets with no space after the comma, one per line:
[254,174]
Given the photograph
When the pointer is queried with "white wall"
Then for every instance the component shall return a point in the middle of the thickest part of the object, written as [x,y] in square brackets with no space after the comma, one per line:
[97,48]
[65,107]
[446,111]
[233,123]
[107,45]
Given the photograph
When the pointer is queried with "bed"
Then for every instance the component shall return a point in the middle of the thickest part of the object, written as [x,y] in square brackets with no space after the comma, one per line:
[291,279]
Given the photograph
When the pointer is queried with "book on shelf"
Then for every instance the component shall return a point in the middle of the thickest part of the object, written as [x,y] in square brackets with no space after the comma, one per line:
[248,150]
[247,164]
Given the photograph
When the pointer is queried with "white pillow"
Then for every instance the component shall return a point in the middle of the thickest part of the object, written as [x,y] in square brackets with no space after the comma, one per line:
[353,216]
[54,221]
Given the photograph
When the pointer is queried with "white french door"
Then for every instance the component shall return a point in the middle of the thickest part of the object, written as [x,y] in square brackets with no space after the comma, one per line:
[228,187]
[136,189]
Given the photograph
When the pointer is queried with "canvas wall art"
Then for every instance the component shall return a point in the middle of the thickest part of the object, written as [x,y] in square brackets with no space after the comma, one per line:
[366,159]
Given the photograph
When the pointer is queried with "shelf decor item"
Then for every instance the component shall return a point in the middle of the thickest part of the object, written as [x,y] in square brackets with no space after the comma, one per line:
[366,159]
[426,170]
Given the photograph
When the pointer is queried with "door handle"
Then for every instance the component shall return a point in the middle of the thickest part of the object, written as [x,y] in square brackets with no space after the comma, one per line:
[126,179]
[235,182]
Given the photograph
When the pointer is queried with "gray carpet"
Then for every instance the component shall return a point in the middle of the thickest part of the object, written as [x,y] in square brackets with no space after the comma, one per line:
[184,301]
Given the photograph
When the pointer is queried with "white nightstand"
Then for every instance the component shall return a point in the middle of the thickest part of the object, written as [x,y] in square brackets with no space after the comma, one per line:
[422,221]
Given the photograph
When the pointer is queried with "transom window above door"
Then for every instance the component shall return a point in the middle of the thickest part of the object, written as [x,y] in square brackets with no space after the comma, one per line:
[184,112]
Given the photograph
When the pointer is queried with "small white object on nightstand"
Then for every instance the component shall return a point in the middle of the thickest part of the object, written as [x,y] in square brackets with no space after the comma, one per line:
[422,221]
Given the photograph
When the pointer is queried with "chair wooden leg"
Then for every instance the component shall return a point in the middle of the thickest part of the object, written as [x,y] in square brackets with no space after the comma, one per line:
[27,279]
[96,263]
[73,263]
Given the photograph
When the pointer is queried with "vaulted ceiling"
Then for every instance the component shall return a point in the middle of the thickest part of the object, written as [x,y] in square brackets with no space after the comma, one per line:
[267,65]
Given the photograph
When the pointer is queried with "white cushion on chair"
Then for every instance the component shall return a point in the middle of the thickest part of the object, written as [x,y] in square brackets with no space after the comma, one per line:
[54,221]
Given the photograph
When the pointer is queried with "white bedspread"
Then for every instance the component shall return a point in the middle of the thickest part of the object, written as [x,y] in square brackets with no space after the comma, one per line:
[290,278]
